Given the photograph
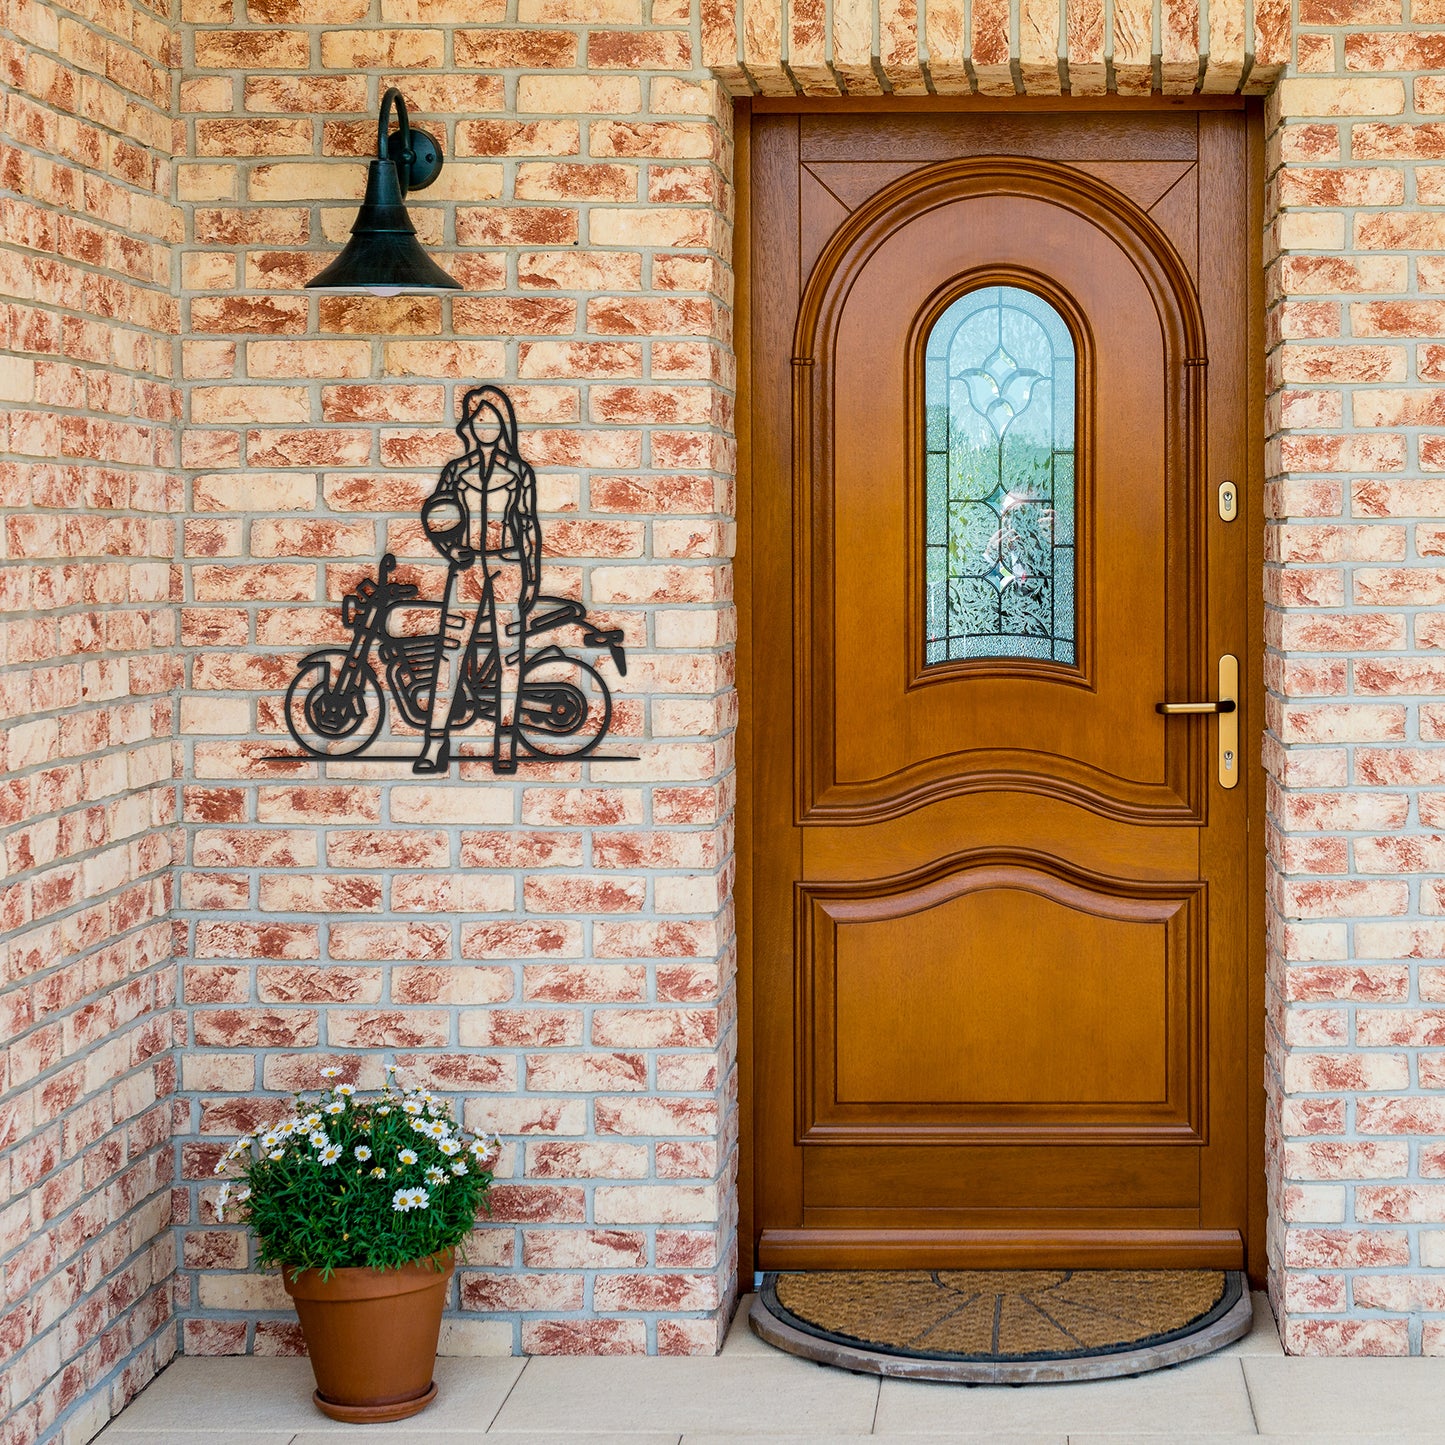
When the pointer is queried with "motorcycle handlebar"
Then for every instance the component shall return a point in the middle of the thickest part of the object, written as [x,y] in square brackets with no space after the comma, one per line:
[353,604]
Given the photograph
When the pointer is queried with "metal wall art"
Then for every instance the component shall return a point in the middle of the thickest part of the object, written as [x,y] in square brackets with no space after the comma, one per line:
[474,656]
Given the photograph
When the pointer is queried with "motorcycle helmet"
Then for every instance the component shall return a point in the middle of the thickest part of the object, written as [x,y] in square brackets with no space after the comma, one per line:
[444,516]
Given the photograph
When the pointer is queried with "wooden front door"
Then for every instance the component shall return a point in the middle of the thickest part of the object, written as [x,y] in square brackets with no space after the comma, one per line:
[999,376]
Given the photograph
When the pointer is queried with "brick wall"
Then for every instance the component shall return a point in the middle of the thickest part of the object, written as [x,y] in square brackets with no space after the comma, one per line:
[88,670]
[554,950]
[1354,581]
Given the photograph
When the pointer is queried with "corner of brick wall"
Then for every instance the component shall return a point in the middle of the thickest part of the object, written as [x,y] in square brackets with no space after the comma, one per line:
[89,493]
[1354,583]
[556,951]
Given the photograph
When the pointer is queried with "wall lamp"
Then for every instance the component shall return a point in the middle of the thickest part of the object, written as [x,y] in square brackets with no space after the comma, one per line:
[383,255]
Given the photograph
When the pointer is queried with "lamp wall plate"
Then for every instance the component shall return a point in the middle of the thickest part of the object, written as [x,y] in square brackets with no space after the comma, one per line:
[426,158]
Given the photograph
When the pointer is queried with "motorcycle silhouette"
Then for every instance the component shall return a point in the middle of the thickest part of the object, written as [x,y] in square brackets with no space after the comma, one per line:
[336,705]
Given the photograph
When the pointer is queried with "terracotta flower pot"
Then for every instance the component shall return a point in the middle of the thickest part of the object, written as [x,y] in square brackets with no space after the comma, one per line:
[372,1336]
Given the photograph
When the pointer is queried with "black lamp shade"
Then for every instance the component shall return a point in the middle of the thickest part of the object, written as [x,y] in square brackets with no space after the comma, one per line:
[383,255]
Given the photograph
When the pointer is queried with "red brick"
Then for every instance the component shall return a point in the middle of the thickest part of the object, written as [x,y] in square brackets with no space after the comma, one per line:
[517,137]
[255,1028]
[1415,586]
[517,226]
[521,1292]
[521,940]
[516,49]
[390,941]
[225,939]
[387,1029]
[521,1029]
[664,1292]
[583,1249]
[584,983]
[318,985]
[584,1337]
[536,1204]
[634,50]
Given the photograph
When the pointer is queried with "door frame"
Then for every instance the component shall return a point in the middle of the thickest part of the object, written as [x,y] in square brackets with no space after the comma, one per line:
[1253,516]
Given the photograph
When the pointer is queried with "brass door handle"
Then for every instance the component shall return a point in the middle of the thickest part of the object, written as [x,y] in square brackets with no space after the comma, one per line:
[1227,707]
[1174,709]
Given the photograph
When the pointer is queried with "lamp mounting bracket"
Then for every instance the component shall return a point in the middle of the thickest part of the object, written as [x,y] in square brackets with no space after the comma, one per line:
[417,157]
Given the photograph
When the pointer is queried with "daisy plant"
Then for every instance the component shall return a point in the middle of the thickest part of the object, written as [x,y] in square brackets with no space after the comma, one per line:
[349,1180]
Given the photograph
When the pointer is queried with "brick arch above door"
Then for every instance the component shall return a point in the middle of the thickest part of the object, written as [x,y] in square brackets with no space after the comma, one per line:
[996,48]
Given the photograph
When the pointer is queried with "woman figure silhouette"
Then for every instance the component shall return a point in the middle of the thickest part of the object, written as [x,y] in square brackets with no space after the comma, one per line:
[482,518]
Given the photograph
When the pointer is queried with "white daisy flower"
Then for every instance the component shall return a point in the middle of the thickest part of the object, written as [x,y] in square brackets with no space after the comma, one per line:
[362,1152]
[289,1127]
[336,1106]
[405,1200]
[435,1176]
[270,1140]
[220,1166]
[486,1151]
[412,1106]
[345,1090]
[319,1139]
[385,1109]
[311,1120]
[277,1154]
[331,1073]
[378,1172]
[242,1195]
[407,1156]
[392,1068]
[331,1154]
[419,1125]
[459,1167]
[450,1146]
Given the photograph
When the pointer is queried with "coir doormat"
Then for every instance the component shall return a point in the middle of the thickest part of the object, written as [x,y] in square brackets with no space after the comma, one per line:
[1003,1326]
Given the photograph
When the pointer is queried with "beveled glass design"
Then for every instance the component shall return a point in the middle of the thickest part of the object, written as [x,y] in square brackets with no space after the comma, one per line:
[999,397]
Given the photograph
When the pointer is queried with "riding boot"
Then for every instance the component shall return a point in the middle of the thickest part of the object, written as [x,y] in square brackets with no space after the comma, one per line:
[504,750]
[435,755]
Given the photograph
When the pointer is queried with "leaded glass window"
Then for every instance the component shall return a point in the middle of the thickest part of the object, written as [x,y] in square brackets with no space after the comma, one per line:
[1000,394]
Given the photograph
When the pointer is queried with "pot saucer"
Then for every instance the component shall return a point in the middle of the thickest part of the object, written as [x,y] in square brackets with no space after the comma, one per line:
[375,1414]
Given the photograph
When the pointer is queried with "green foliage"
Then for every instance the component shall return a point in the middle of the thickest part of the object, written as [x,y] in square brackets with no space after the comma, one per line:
[349,1180]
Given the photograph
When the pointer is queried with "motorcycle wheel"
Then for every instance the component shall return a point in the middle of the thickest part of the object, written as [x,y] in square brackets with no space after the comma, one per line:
[326,723]
[565,708]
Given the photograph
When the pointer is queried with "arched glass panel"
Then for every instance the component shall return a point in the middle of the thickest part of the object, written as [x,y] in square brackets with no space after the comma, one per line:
[999,389]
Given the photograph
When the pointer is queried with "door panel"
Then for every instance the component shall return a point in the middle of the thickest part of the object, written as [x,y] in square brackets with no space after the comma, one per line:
[935,730]
[906,1183]
[1000,965]
[931,1035]
[906,1038]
